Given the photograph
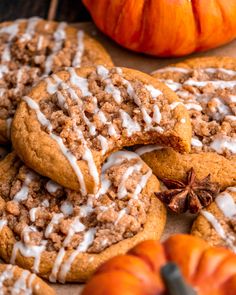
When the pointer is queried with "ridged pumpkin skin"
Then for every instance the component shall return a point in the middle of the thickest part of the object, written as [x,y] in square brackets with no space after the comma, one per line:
[210,270]
[166,27]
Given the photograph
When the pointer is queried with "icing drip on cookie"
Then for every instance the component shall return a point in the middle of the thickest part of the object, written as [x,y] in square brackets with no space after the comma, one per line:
[227,206]
[22,285]
[30,29]
[80,49]
[7,274]
[83,247]
[3,223]
[52,186]
[28,251]
[22,195]
[59,37]
[208,94]
[12,31]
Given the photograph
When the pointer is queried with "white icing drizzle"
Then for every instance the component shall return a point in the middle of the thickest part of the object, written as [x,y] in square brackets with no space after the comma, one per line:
[153,91]
[148,149]
[56,265]
[122,191]
[52,186]
[45,203]
[66,152]
[54,221]
[83,246]
[225,71]
[141,184]
[220,143]
[30,29]
[110,87]
[104,143]
[216,84]
[232,98]
[80,49]
[188,106]
[22,194]
[28,251]
[129,124]
[80,82]
[7,274]
[196,142]
[3,222]
[12,31]
[3,70]
[171,84]
[66,208]
[59,37]
[120,215]
[231,118]
[75,227]
[229,240]
[32,213]
[226,204]
[172,69]
[20,286]
[40,42]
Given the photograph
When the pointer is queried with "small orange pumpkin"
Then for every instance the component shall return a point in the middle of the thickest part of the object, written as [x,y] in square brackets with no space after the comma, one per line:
[209,270]
[166,27]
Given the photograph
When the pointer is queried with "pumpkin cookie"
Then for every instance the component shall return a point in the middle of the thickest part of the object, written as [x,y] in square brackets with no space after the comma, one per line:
[63,236]
[217,223]
[207,88]
[71,121]
[15,280]
[30,49]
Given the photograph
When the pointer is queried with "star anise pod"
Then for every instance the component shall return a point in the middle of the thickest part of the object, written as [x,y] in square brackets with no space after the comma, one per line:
[191,195]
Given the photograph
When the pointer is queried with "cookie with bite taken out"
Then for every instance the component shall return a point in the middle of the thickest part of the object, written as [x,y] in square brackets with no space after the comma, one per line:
[71,121]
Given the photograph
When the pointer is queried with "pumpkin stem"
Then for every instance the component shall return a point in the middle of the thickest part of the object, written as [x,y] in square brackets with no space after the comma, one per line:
[174,281]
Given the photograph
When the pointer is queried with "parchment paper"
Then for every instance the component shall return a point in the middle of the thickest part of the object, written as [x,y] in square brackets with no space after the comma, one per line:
[123,57]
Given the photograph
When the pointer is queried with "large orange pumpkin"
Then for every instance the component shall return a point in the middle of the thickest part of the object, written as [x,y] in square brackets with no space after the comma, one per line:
[166,27]
[209,270]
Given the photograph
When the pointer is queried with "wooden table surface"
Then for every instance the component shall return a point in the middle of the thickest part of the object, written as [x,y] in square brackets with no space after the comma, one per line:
[123,57]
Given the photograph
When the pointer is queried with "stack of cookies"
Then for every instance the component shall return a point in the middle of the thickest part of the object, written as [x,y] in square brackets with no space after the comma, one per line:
[71,194]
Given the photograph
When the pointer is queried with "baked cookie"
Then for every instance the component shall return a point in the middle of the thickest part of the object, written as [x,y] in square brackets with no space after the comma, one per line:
[71,121]
[207,88]
[15,280]
[217,223]
[32,48]
[63,236]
